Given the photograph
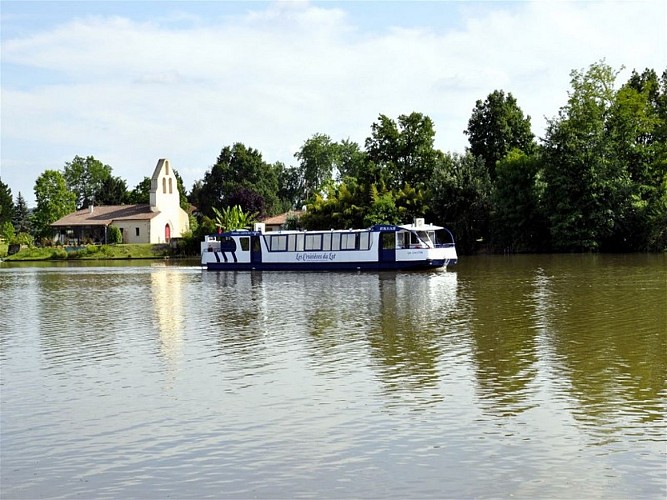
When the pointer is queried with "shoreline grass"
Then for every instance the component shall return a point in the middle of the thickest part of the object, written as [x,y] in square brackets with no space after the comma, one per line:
[92,252]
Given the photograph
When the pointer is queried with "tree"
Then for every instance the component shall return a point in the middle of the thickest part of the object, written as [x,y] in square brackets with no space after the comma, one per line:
[238,166]
[318,159]
[21,218]
[141,194]
[6,203]
[54,200]
[637,128]
[461,198]
[85,177]
[401,152]
[587,186]
[113,191]
[289,187]
[343,207]
[7,231]
[352,160]
[182,193]
[383,209]
[518,223]
[497,126]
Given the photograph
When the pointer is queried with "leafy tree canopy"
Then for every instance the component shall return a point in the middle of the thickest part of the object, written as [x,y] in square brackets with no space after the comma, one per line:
[498,125]
[238,167]
[401,152]
[318,159]
[6,203]
[113,191]
[587,190]
[54,200]
[141,194]
[85,177]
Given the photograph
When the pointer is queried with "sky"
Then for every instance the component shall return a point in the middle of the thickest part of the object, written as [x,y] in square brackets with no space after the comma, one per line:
[132,82]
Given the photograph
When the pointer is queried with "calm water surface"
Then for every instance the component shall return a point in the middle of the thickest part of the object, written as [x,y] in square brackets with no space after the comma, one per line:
[525,376]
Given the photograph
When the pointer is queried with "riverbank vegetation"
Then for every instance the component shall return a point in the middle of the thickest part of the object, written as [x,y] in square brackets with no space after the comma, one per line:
[91,252]
[597,180]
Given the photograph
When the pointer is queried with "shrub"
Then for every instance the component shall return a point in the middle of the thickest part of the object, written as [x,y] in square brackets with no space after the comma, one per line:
[114,235]
[23,239]
[7,231]
[59,253]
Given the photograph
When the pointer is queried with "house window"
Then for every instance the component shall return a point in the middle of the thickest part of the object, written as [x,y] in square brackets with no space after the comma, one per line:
[136,230]
[164,185]
[169,185]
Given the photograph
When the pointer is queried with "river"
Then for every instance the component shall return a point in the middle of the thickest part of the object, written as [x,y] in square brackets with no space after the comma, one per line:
[505,376]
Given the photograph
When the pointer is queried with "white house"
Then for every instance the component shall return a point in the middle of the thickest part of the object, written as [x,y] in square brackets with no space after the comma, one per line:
[158,222]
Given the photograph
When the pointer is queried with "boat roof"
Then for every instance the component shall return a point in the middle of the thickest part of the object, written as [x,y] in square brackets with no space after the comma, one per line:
[375,228]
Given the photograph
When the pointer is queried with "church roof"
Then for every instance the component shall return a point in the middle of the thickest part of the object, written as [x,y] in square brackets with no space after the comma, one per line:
[105,215]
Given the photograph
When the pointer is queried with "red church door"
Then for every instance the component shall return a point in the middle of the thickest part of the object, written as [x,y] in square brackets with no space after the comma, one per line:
[167,233]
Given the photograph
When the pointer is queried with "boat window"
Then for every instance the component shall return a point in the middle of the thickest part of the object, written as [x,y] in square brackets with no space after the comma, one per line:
[403,239]
[256,246]
[227,244]
[364,240]
[313,242]
[418,239]
[335,241]
[278,243]
[291,242]
[326,242]
[245,243]
[299,242]
[348,241]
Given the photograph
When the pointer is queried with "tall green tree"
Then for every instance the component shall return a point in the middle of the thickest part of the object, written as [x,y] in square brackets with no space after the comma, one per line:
[182,193]
[461,199]
[318,159]
[85,177]
[518,223]
[21,219]
[238,167]
[54,200]
[352,160]
[6,203]
[141,194]
[112,191]
[497,126]
[637,127]
[587,186]
[401,152]
[290,193]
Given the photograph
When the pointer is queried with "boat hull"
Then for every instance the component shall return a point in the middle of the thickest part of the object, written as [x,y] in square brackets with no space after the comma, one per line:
[329,266]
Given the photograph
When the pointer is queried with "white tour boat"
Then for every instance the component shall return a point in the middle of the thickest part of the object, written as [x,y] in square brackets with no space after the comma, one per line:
[381,247]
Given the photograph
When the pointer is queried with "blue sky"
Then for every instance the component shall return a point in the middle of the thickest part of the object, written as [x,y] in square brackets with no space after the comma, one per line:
[132,82]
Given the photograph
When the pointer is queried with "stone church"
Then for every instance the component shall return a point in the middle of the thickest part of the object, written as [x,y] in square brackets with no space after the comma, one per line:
[157,222]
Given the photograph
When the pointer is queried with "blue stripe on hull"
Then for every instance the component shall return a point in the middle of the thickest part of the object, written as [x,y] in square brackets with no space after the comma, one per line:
[329,266]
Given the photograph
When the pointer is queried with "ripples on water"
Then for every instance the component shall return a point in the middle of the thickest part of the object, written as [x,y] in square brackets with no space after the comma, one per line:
[511,376]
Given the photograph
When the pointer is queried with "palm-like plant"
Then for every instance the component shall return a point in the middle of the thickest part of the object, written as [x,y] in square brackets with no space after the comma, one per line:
[231,218]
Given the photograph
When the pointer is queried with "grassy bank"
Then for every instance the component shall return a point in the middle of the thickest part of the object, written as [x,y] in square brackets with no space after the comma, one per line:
[92,252]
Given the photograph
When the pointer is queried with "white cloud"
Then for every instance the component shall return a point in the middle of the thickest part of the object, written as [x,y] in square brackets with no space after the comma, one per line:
[129,92]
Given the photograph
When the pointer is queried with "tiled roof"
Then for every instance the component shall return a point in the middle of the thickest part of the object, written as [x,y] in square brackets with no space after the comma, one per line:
[281,218]
[105,215]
